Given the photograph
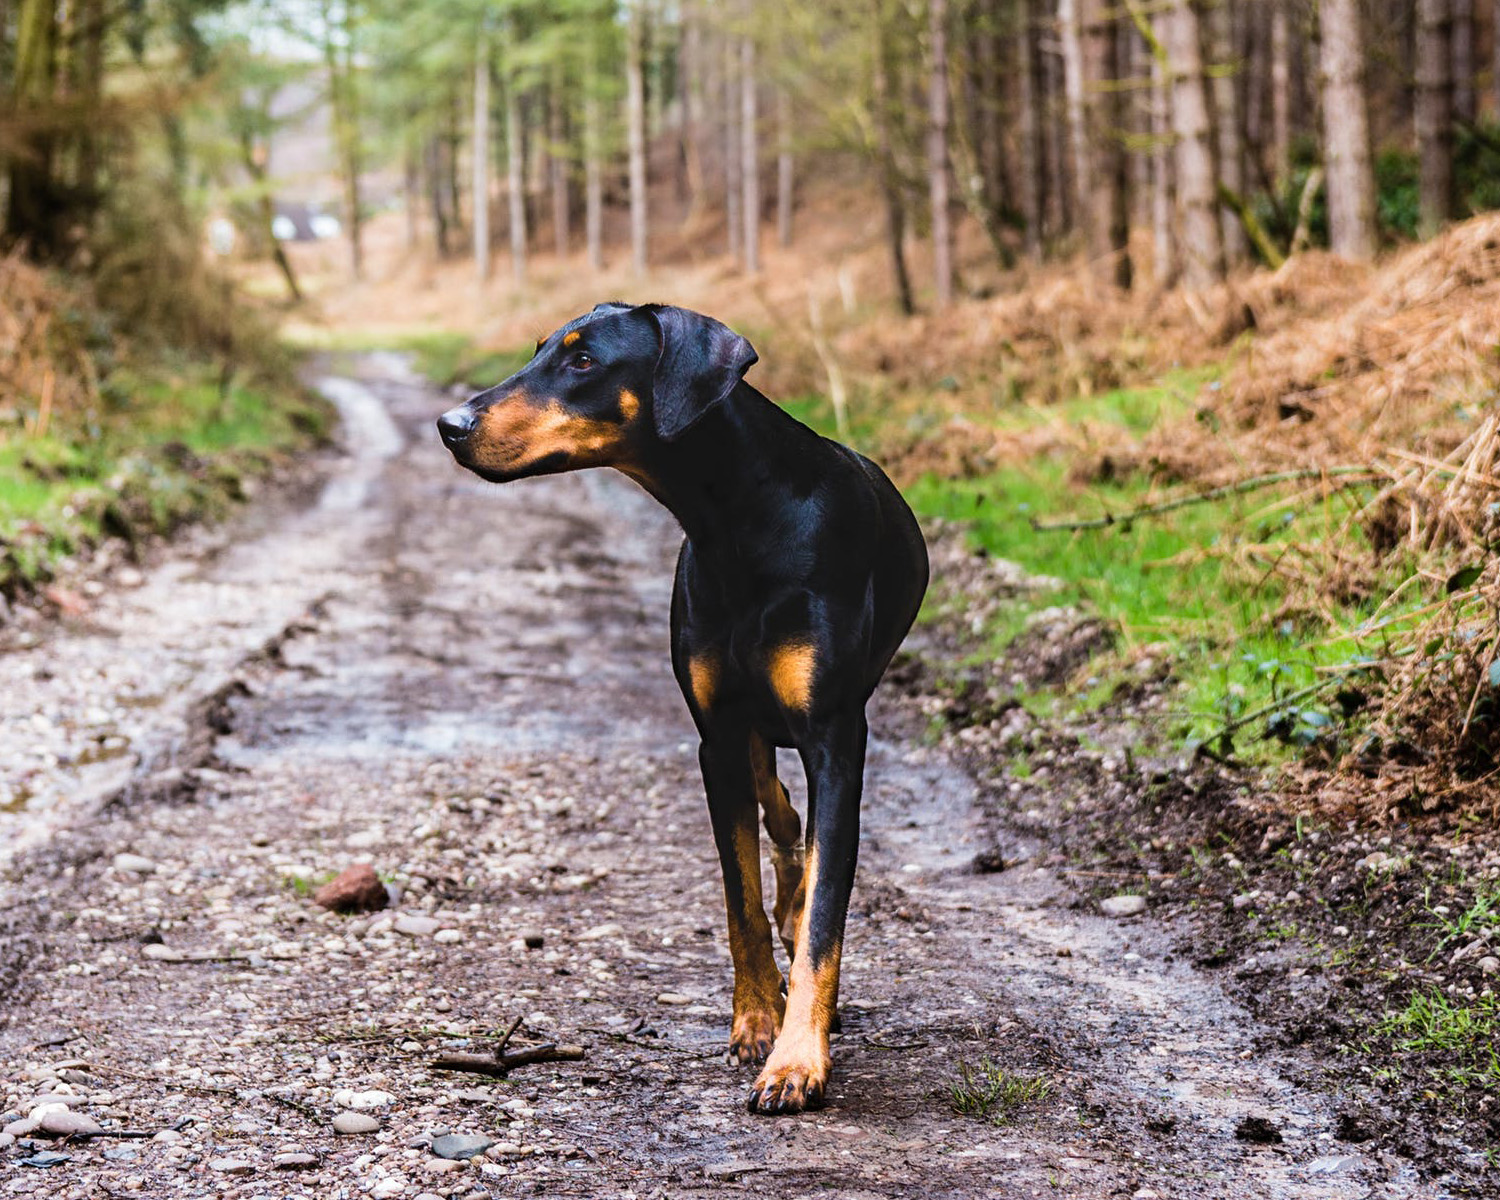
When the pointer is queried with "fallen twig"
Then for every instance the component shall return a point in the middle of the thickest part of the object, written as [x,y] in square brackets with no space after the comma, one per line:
[502,1062]
[1255,483]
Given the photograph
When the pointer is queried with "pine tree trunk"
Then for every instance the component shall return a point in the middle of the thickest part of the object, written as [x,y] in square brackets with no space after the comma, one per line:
[937,153]
[1346,132]
[480,158]
[593,167]
[691,72]
[1058,194]
[1281,92]
[1434,114]
[989,125]
[1226,117]
[1106,203]
[785,166]
[433,164]
[1070,34]
[1201,245]
[1029,133]
[635,121]
[557,157]
[515,178]
[1164,243]
[1463,59]
[29,214]
[750,153]
[890,183]
[734,161]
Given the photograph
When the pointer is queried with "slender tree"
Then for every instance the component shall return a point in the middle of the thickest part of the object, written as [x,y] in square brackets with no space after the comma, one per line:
[1281,92]
[1434,114]
[479,157]
[1229,145]
[1463,59]
[750,152]
[635,122]
[1346,131]
[937,152]
[515,172]
[785,166]
[1029,132]
[1201,238]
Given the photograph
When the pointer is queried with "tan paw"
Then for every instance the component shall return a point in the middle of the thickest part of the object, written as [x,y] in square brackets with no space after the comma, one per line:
[790,1083]
[753,1035]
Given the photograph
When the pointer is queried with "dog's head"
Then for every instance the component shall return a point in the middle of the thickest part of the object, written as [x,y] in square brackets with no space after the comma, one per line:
[599,392]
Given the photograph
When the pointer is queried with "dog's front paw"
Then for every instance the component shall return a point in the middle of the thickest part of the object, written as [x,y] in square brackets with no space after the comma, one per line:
[752,1036]
[793,1079]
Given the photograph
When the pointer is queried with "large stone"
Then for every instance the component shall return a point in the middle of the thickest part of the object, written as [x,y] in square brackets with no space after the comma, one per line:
[1123,906]
[295,1160]
[355,889]
[461,1145]
[355,1122]
[415,926]
[64,1122]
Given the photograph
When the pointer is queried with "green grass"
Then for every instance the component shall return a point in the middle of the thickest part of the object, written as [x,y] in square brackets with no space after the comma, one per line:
[1199,585]
[1464,1031]
[990,1092]
[162,448]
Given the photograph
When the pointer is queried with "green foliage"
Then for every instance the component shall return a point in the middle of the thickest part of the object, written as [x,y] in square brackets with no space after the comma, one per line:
[1464,1031]
[992,1093]
[1397,192]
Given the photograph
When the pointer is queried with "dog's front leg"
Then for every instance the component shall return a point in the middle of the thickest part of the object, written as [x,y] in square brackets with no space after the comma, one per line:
[795,1075]
[758,1003]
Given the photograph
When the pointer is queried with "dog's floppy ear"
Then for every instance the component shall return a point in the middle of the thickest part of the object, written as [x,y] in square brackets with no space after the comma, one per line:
[701,361]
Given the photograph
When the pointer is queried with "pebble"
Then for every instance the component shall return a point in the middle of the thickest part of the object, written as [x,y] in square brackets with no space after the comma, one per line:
[232,1166]
[1489,965]
[416,926]
[1123,906]
[355,1122]
[168,1136]
[448,937]
[7,1140]
[441,1166]
[162,952]
[673,998]
[461,1145]
[21,1128]
[135,863]
[295,1160]
[532,940]
[64,1122]
[731,1169]
[601,931]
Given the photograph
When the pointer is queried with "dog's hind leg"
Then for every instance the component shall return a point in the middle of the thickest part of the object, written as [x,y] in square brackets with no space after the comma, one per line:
[796,1073]
[785,829]
[729,781]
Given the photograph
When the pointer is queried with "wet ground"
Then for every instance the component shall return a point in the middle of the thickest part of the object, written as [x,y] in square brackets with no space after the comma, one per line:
[467,686]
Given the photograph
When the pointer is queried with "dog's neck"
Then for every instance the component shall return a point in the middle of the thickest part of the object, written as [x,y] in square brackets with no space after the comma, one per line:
[728,473]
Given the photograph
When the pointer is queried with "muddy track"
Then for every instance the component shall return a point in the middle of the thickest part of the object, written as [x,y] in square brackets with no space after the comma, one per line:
[468,687]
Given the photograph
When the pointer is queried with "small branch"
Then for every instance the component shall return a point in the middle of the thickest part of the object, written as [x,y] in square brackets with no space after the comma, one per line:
[1303,232]
[499,1066]
[1229,489]
[1253,228]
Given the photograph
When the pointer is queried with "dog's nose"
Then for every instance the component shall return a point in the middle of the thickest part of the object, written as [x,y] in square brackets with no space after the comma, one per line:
[455,425]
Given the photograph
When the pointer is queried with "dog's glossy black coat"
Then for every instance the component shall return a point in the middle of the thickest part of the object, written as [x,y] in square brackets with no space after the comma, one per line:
[801,572]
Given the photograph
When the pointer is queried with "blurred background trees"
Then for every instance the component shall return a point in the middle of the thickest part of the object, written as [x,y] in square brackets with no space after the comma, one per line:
[1163,140]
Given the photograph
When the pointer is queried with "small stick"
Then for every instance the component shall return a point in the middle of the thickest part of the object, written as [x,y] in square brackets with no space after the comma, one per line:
[500,1067]
[1228,489]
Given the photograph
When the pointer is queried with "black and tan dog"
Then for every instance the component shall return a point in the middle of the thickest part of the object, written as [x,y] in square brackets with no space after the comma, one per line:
[801,573]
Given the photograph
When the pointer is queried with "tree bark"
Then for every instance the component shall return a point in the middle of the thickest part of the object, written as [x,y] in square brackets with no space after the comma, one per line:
[1230,156]
[734,162]
[1201,241]
[1070,34]
[890,182]
[1164,243]
[30,212]
[1346,132]
[338,56]
[691,71]
[1434,115]
[557,161]
[1029,133]
[785,166]
[593,166]
[1106,202]
[1281,92]
[479,156]
[1463,59]
[515,177]
[635,121]
[750,153]
[937,153]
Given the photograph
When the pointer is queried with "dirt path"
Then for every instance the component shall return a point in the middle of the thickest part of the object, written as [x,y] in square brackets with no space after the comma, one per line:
[468,686]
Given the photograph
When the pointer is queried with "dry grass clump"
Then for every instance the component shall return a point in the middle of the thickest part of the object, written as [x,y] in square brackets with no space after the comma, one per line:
[46,369]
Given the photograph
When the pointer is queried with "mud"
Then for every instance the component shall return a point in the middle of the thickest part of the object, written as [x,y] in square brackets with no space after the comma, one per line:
[468,686]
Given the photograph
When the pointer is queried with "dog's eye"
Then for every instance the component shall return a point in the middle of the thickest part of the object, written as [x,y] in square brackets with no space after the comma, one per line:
[581,361]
